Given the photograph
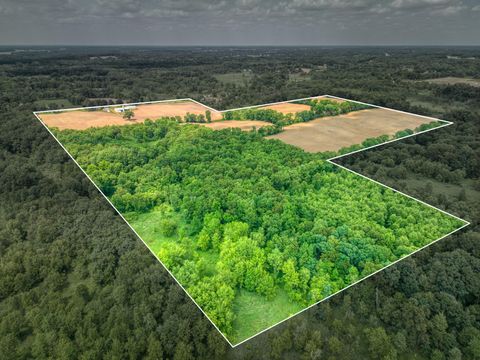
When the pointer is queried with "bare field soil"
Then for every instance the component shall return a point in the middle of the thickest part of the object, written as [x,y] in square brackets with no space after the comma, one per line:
[152,111]
[329,98]
[287,108]
[450,80]
[244,125]
[83,119]
[335,132]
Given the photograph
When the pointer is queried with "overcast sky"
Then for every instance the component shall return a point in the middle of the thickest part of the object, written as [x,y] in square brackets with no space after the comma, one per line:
[240,22]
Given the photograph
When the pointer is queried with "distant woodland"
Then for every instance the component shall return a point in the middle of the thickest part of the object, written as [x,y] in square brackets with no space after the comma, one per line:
[76,283]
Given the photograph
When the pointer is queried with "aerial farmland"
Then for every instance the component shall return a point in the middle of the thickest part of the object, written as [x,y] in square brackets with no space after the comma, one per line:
[243,206]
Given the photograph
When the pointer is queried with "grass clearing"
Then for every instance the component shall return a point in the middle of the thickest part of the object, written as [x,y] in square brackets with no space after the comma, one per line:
[254,313]
[236,78]
[452,80]
[452,191]
[148,225]
[298,77]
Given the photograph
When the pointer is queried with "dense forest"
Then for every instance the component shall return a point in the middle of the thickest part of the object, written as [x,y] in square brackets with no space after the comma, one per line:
[228,210]
[76,283]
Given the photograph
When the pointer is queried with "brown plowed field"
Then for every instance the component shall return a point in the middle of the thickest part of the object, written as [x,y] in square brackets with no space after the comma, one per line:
[244,125]
[287,108]
[335,132]
[329,98]
[82,119]
[291,108]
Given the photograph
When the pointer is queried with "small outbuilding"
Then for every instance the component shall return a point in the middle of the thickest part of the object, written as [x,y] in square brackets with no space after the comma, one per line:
[125,108]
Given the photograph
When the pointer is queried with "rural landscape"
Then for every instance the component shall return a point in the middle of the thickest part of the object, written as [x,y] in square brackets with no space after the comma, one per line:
[255,228]
[75,281]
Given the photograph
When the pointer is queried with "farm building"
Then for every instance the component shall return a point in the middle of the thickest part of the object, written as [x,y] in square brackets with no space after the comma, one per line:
[124,108]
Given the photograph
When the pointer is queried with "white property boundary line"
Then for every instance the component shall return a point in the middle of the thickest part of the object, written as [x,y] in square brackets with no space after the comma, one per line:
[330,160]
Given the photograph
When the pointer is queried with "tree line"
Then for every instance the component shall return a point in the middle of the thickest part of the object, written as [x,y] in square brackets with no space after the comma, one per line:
[318,109]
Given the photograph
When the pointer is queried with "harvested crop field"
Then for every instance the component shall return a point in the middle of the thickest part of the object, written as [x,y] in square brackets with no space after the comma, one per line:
[329,98]
[287,108]
[83,119]
[244,125]
[335,132]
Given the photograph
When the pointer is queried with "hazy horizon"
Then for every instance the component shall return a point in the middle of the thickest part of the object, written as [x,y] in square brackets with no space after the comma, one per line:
[243,46]
[240,23]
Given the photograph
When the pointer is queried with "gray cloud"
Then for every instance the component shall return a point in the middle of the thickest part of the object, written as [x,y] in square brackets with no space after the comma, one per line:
[237,21]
